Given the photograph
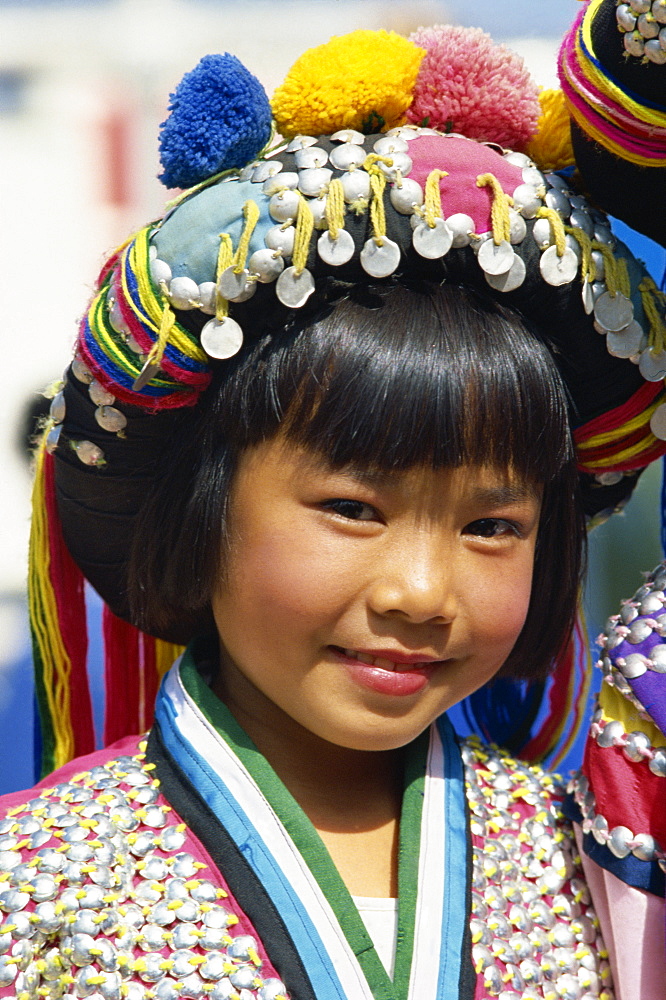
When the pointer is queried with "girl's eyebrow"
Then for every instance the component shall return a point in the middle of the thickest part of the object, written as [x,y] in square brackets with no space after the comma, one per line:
[507,493]
[490,496]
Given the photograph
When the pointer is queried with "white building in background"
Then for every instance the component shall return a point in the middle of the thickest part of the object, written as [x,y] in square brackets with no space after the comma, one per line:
[83,88]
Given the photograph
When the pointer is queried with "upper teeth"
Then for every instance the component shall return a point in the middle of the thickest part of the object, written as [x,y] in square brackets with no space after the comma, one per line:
[375,661]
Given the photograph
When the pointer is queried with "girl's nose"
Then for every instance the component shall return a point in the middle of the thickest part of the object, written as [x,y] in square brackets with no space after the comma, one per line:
[417,585]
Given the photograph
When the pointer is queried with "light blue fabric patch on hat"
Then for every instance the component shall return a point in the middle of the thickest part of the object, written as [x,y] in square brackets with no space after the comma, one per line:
[189,239]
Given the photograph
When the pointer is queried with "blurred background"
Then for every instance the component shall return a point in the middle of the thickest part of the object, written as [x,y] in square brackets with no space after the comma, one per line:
[84,85]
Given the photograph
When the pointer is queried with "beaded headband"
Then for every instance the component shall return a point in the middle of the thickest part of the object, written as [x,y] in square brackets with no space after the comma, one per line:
[410,177]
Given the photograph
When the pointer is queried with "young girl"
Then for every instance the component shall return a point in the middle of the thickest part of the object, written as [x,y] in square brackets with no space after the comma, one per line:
[318,427]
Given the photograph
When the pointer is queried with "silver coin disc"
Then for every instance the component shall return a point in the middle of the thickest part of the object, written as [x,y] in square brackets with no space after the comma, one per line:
[280,182]
[380,261]
[434,241]
[266,169]
[208,296]
[389,144]
[495,258]
[588,297]
[658,422]
[336,251]
[355,184]
[236,287]
[348,135]
[284,205]
[313,180]
[399,162]
[518,227]
[625,343]
[293,289]
[99,395]
[556,198]
[310,156]
[300,142]
[281,238]
[462,227]
[405,197]
[110,419]
[266,265]
[613,312]
[652,366]
[558,270]
[347,155]
[184,293]
[221,339]
[511,279]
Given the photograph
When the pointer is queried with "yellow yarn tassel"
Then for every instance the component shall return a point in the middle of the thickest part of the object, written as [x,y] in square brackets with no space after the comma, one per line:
[335,208]
[225,257]
[156,352]
[501,220]
[302,236]
[377,186]
[166,653]
[556,228]
[51,653]
[551,147]
[652,298]
[251,215]
[432,201]
[588,269]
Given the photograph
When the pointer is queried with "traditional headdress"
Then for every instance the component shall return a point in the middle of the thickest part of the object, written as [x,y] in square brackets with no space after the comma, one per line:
[433,157]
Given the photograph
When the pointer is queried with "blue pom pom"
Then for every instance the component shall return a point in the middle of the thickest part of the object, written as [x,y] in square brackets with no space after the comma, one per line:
[220,118]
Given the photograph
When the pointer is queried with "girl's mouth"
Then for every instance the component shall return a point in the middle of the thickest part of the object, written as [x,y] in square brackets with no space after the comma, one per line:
[386,676]
[385,662]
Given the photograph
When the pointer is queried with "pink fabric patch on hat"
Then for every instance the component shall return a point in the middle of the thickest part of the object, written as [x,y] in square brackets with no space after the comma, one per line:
[464,160]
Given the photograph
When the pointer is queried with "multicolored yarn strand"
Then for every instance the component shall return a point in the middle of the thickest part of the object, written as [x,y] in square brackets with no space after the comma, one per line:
[60,642]
[134,664]
[128,305]
[631,128]
[567,699]
[621,440]
[539,721]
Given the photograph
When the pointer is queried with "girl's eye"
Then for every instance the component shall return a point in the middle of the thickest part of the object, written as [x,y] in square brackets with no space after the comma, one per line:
[353,510]
[491,527]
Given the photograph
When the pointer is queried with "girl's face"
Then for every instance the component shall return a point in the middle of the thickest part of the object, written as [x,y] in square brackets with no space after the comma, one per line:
[359,606]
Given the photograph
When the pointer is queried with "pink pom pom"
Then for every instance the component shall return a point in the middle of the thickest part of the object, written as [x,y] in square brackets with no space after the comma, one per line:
[469,84]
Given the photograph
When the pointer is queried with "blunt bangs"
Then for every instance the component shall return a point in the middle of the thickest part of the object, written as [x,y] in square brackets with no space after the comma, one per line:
[441,377]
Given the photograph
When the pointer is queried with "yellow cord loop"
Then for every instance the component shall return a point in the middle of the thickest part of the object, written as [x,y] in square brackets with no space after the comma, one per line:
[377,187]
[225,258]
[617,274]
[377,213]
[501,220]
[557,230]
[335,208]
[588,270]
[653,298]
[624,281]
[432,200]
[304,229]
[156,352]
[251,216]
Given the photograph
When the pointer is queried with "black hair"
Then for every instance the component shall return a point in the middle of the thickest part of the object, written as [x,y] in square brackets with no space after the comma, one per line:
[433,375]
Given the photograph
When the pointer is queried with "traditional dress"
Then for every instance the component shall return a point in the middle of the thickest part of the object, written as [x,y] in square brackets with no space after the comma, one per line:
[179,865]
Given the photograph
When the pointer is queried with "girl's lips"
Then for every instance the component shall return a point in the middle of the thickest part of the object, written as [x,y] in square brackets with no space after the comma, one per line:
[388,659]
[385,676]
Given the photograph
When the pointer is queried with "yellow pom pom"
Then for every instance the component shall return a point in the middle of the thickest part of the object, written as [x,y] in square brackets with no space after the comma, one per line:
[551,147]
[363,80]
